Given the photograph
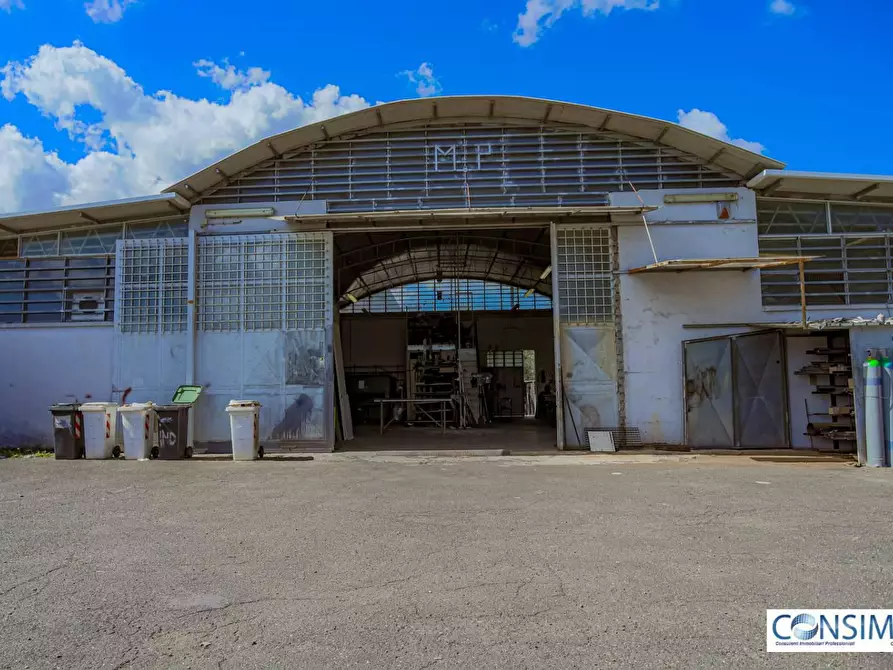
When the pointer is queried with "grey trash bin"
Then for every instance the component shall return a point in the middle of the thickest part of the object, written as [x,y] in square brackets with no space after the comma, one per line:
[68,432]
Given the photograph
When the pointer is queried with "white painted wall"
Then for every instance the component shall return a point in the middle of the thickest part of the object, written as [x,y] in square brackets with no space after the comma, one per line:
[44,365]
[655,307]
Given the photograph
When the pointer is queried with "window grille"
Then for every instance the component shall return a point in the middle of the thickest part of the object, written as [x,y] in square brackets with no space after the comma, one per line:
[855,266]
[152,285]
[448,295]
[585,278]
[49,290]
[505,359]
[263,282]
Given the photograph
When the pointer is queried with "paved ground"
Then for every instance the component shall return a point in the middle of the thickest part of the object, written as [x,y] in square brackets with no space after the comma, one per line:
[429,563]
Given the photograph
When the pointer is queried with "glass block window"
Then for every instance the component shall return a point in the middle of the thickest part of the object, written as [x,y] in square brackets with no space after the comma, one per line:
[152,278]
[448,295]
[585,278]
[56,290]
[263,282]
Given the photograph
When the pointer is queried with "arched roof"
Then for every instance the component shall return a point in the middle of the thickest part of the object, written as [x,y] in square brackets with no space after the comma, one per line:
[477,109]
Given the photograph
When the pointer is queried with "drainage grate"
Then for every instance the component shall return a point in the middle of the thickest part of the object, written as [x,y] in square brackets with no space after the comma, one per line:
[623,437]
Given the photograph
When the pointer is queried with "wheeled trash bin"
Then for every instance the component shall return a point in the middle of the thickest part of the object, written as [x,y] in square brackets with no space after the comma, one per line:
[101,430]
[244,422]
[68,434]
[173,424]
[138,421]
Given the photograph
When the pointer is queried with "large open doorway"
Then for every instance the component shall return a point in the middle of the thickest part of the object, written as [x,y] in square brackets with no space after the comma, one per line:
[446,339]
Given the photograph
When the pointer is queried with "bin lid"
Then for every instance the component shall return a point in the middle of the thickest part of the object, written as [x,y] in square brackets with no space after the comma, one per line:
[136,406]
[186,395]
[243,403]
[97,406]
[65,407]
[171,408]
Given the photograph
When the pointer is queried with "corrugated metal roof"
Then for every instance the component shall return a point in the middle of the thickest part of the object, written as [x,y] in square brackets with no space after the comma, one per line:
[688,264]
[824,185]
[96,213]
[477,109]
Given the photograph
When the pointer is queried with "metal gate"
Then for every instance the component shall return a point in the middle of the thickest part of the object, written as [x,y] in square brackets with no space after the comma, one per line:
[736,392]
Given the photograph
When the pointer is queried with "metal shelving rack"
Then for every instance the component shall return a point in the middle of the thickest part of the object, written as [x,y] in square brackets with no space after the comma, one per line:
[833,378]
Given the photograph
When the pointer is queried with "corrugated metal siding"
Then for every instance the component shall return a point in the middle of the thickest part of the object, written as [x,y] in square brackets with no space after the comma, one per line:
[470,165]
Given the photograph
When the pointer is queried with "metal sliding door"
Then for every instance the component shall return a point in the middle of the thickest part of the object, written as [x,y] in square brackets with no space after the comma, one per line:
[736,392]
[585,338]
[265,323]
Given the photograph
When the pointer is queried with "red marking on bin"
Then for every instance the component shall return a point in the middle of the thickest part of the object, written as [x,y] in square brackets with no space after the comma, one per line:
[108,426]
[77,425]
[146,425]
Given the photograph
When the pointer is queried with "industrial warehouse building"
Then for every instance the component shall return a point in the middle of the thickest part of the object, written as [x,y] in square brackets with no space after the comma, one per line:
[534,270]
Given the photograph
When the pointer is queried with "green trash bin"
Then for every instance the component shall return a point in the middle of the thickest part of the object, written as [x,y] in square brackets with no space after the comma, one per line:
[68,431]
[173,424]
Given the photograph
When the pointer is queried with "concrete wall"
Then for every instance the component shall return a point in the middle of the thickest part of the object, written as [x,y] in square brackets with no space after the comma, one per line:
[511,332]
[373,340]
[44,365]
[655,307]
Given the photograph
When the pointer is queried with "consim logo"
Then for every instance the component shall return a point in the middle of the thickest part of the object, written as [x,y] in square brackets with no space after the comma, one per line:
[829,630]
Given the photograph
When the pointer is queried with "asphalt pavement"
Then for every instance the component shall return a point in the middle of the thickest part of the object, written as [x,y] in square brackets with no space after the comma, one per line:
[346,562]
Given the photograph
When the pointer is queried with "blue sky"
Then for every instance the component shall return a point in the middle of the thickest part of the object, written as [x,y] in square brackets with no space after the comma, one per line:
[808,80]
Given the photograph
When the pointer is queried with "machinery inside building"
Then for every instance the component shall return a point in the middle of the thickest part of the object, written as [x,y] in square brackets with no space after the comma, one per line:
[447,338]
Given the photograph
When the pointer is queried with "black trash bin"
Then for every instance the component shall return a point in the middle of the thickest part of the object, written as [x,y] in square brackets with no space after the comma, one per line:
[173,424]
[68,431]
[173,432]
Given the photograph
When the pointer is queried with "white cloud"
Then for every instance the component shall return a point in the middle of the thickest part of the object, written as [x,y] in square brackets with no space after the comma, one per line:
[142,143]
[541,14]
[783,7]
[709,124]
[9,5]
[229,77]
[424,79]
[107,11]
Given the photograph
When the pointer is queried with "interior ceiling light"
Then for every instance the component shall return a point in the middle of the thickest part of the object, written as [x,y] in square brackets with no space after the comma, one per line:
[529,293]
[546,273]
[351,297]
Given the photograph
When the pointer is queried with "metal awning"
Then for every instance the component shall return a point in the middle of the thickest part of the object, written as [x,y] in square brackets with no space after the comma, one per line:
[823,185]
[688,264]
[489,217]
[94,214]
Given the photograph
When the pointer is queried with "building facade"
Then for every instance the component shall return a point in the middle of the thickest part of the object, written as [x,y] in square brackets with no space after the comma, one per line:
[668,283]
